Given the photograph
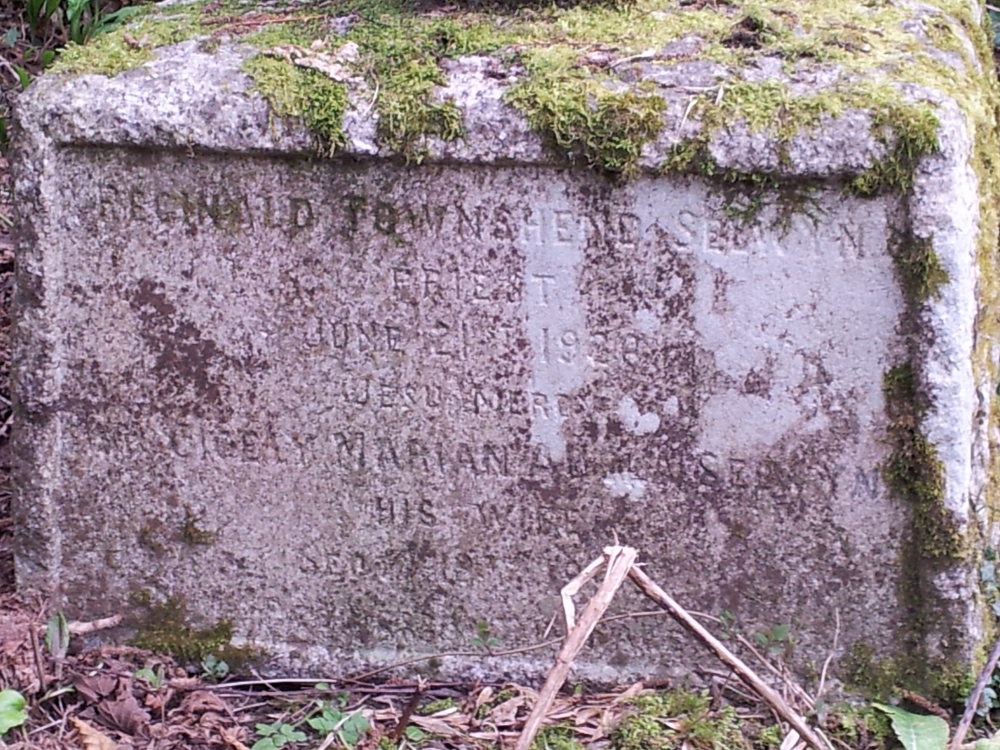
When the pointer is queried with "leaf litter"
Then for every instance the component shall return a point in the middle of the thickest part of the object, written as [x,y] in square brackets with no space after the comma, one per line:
[125,698]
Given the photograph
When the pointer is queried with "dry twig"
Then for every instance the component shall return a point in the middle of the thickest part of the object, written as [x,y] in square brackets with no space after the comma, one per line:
[970,705]
[658,595]
[619,561]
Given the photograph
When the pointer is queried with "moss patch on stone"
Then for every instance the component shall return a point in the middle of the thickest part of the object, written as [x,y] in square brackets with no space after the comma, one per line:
[909,132]
[114,53]
[882,679]
[307,94]
[919,268]
[588,111]
[163,627]
[583,117]
[913,470]
[692,723]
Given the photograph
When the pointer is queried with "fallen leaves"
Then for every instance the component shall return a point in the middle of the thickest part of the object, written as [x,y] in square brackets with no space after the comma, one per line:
[334,65]
[93,739]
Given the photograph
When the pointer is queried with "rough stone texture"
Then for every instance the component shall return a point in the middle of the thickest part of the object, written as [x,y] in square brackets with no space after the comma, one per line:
[358,407]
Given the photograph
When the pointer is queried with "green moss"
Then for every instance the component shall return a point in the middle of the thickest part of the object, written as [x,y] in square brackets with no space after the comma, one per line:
[114,53]
[556,737]
[585,110]
[294,91]
[439,705]
[860,726]
[582,115]
[679,718]
[877,679]
[919,268]
[913,470]
[163,627]
[882,678]
[408,114]
[909,132]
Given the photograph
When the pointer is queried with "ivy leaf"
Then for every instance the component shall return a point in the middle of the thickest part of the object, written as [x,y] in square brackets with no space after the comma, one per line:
[12,713]
[914,731]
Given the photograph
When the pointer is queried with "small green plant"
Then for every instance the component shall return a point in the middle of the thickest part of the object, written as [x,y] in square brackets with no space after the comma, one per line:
[415,734]
[775,641]
[214,668]
[79,21]
[57,635]
[439,705]
[484,637]
[665,721]
[12,710]
[728,622]
[278,734]
[39,13]
[155,679]
[349,728]
[557,737]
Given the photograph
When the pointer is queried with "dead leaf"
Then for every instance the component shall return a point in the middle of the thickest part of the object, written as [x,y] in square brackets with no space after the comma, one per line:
[629,694]
[125,714]
[506,713]
[230,736]
[329,64]
[134,43]
[202,701]
[484,697]
[96,687]
[159,700]
[93,739]
[184,683]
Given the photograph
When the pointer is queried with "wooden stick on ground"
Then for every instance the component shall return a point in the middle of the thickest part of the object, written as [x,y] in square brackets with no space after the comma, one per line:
[619,561]
[973,703]
[747,675]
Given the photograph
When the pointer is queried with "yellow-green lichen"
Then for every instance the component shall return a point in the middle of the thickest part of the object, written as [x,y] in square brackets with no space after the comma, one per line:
[192,533]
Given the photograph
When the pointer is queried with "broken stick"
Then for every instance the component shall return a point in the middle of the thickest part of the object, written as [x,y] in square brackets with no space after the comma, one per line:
[973,702]
[747,675]
[619,561]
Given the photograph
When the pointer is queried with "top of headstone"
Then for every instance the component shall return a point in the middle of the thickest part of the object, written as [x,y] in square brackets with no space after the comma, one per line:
[845,91]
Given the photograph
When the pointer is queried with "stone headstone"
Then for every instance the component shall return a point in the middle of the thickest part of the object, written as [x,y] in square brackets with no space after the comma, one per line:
[360,407]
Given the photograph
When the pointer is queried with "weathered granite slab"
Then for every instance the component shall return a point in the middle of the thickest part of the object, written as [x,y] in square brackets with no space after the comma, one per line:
[358,406]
